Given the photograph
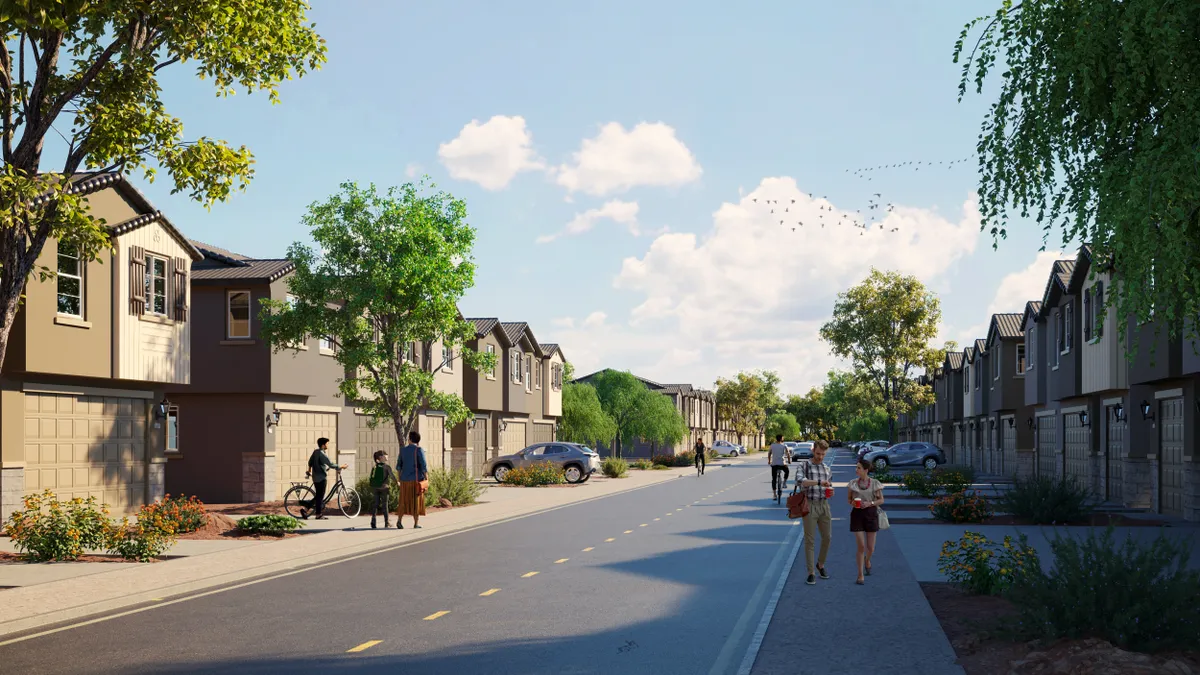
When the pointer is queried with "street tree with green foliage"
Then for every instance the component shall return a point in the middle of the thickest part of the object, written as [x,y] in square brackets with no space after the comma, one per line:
[784,423]
[636,411]
[1095,132]
[583,418]
[883,326]
[86,73]
[742,401]
[386,275]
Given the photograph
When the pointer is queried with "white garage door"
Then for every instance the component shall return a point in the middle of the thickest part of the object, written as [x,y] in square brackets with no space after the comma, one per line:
[512,439]
[298,433]
[81,446]
[433,440]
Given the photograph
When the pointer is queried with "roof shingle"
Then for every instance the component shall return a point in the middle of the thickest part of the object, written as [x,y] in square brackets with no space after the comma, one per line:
[1009,325]
[955,359]
[484,326]
[251,270]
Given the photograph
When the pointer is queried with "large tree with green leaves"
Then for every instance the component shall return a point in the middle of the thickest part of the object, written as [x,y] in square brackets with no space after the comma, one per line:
[636,411]
[85,73]
[782,423]
[742,401]
[1095,132]
[883,326]
[385,276]
[583,418]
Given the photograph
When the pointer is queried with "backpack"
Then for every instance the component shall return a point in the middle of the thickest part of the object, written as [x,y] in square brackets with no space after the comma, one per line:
[379,476]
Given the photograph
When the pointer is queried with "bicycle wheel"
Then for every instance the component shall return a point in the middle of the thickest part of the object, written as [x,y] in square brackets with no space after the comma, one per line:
[348,502]
[299,497]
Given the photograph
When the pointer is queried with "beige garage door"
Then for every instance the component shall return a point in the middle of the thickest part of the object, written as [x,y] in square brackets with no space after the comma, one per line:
[477,440]
[298,433]
[81,446]
[1171,462]
[368,440]
[433,440]
[541,433]
[512,439]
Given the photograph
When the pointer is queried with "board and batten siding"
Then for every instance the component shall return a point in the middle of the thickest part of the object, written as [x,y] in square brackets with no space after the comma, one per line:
[151,348]
[1102,360]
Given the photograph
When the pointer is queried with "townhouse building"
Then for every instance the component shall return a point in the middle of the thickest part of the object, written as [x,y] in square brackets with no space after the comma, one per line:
[951,404]
[1005,347]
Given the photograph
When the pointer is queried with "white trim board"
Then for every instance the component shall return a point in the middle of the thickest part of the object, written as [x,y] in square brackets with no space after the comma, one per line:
[1168,393]
[30,388]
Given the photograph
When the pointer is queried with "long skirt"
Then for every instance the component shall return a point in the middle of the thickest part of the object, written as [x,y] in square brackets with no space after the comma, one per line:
[412,503]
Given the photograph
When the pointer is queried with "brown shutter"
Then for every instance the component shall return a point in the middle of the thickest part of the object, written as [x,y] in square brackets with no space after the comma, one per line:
[137,280]
[181,289]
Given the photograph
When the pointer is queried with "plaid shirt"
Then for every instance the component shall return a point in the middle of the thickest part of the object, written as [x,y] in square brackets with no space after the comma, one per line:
[818,472]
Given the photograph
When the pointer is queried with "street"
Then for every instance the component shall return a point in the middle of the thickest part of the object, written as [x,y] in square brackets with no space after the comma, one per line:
[668,579]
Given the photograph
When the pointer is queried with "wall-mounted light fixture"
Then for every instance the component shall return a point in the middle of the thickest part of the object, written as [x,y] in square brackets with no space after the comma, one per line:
[503,425]
[1032,424]
[160,412]
[1147,412]
[1012,422]
[1119,412]
[1083,419]
[273,419]
[991,422]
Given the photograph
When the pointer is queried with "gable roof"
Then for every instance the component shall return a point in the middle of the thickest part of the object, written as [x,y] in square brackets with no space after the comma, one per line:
[1058,283]
[220,265]
[1032,308]
[954,360]
[1005,327]
[549,348]
[515,329]
[980,346]
[969,355]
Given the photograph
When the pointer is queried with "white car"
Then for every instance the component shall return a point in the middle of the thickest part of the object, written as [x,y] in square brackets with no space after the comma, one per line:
[727,448]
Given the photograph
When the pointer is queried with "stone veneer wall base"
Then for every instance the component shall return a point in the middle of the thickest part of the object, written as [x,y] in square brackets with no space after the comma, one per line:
[12,491]
[156,481]
[1025,464]
[1191,492]
[260,477]
[1140,483]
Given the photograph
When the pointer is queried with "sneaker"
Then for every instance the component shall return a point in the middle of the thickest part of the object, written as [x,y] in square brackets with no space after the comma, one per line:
[860,582]
[811,580]
[304,514]
[822,572]
[322,517]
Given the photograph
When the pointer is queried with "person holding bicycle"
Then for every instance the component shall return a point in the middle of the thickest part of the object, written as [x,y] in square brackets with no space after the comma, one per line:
[318,463]
[701,456]
[778,457]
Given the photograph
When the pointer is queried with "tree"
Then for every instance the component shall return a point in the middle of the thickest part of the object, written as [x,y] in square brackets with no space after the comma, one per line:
[636,411]
[1096,132]
[568,371]
[883,326]
[769,398]
[104,100]
[583,418]
[740,401]
[782,423]
[386,276]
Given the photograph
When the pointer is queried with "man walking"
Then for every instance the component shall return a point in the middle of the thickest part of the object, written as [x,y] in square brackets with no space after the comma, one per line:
[318,462]
[815,477]
[778,457]
[701,455]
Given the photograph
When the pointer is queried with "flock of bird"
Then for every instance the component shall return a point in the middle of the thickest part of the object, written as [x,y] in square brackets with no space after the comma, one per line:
[876,210]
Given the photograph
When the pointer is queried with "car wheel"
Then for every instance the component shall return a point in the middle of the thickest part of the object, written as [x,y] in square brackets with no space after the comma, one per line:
[930,463]
[500,472]
[881,464]
[573,473]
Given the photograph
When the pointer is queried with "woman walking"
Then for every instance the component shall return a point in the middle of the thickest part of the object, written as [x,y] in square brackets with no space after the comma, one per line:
[413,471]
[865,495]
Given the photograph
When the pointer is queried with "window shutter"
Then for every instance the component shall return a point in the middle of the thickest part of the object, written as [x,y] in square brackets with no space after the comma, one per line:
[137,280]
[1098,308]
[181,288]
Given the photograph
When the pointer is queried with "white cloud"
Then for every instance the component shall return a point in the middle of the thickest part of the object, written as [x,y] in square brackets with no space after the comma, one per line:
[616,160]
[413,170]
[595,320]
[616,210]
[492,153]
[1015,289]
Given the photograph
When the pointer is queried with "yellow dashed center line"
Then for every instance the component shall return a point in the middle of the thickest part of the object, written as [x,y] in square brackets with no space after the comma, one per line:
[437,615]
[490,591]
[528,574]
[364,646]
[642,525]
[561,561]
[657,519]
[610,539]
[627,532]
[590,548]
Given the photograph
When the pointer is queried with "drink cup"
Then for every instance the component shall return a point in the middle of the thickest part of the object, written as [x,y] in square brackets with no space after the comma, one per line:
[828,492]
[857,503]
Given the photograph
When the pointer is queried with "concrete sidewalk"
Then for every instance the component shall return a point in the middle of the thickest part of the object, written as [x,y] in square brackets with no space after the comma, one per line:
[83,589]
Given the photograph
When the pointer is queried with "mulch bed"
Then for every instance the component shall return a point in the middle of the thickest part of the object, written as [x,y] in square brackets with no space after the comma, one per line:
[1096,520]
[221,526]
[254,509]
[7,558]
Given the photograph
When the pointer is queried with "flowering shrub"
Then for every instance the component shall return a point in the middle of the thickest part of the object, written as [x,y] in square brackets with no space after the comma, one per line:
[961,507]
[686,458]
[535,475]
[942,480]
[148,538]
[979,565]
[455,485]
[920,483]
[183,515]
[951,481]
[49,529]
[886,477]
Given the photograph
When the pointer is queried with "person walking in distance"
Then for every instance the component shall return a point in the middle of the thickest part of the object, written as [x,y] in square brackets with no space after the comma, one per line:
[701,456]
[413,470]
[815,476]
[382,478]
[318,463]
[865,495]
[778,456]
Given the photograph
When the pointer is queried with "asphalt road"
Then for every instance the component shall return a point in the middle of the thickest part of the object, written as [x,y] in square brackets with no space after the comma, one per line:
[672,578]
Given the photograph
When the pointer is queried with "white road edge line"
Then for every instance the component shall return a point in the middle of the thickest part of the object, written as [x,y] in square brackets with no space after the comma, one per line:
[769,610]
[725,657]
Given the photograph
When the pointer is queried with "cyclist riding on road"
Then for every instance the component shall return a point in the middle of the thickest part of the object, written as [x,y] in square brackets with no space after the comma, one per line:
[778,457]
[701,458]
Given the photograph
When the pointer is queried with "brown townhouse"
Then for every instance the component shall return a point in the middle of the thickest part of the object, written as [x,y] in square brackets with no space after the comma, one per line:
[1005,349]
[92,352]
[951,404]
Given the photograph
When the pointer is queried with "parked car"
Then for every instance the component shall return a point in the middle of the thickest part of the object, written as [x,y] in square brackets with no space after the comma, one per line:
[577,461]
[927,455]
[801,450]
[727,448]
[870,446]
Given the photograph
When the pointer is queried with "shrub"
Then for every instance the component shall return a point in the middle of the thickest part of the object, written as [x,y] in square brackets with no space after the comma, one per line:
[614,467]
[1045,500]
[182,515]
[961,507]
[274,524]
[920,483]
[1140,597]
[642,464]
[535,475]
[455,485]
[151,536]
[967,472]
[886,477]
[49,529]
[366,495]
[660,467]
[978,565]
[950,481]
[686,458]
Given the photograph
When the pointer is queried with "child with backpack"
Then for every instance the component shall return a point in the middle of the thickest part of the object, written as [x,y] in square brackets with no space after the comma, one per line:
[382,476]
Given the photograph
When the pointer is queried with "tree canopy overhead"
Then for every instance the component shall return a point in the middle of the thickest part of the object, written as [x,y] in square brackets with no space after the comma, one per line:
[1096,132]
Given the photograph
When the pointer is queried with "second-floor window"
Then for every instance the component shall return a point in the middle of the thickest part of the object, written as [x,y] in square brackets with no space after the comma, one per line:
[156,285]
[979,372]
[995,364]
[1020,359]
[537,377]
[238,315]
[447,359]
[70,283]
[967,380]
[1031,347]
[1068,326]
[556,376]
[528,374]
[1058,338]
[173,429]
[326,344]
[515,366]
[491,349]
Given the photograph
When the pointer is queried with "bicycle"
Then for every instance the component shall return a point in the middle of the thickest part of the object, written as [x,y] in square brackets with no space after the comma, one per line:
[779,476]
[301,496]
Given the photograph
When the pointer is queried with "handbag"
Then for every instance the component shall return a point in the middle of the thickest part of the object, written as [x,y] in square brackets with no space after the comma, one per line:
[422,485]
[883,519]
[797,502]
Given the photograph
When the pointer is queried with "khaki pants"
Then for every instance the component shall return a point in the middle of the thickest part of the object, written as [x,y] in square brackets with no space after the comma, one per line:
[817,519]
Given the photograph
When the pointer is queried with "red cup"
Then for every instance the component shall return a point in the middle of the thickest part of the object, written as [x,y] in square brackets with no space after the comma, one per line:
[857,503]
[828,492]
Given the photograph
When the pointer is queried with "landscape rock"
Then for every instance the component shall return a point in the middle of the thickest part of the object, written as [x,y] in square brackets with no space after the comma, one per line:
[1096,657]
[445,503]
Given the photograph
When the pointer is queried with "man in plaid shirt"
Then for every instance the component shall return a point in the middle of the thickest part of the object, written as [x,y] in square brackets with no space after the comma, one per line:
[815,476]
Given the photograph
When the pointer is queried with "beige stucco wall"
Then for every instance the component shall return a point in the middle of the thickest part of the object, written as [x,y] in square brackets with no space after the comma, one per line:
[68,345]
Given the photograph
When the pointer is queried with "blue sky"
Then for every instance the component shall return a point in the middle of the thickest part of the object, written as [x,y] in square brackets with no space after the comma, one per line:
[766,100]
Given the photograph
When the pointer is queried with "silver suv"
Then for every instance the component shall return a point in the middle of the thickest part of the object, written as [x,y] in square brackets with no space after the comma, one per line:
[578,462]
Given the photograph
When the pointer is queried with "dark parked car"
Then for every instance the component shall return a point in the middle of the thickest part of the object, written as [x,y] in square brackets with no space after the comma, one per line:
[927,455]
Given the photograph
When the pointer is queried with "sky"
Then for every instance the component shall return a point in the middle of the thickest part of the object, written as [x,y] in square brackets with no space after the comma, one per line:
[621,162]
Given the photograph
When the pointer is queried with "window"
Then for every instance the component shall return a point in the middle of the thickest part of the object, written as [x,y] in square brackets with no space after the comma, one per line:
[1058,338]
[1068,323]
[238,314]
[173,429]
[491,349]
[326,345]
[528,378]
[410,353]
[1020,359]
[515,366]
[156,285]
[537,378]
[1098,309]
[967,379]
[1031,347]
[70,283]
[447,359]
[995,364]
[979,371]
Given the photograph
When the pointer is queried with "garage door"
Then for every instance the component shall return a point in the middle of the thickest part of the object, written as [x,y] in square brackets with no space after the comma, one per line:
[512,439]
[1170,443]
[960,444]
[298,432]
[86,446]
[1115,456]
[368,440]
[541,433]
[1047,439]
[477,440]
[1008,445]
[1077,442]
[433,440]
